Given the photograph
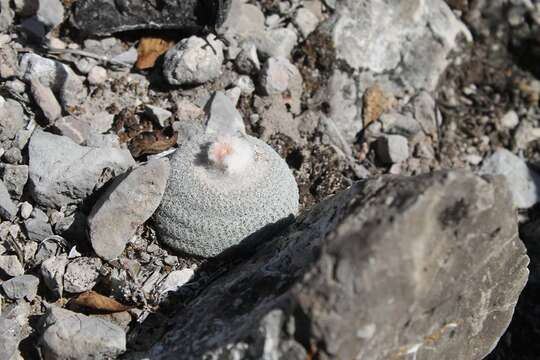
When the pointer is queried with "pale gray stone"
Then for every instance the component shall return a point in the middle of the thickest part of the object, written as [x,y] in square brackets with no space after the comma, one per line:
[160,115]
[6,15]
[14,178]
[11,119]
[193,61]
[12,323]
[50,13]
[21,287]
[222,116]
[11,266]
[392,149]
[523,181]
[69,335]
[45,99]
[276,75]
[306,21]
[97,75]
[81,274]
[52,271]
[59,77]
[385,36]
[248,26]
[37,226]
[8,209]
[126,204]
[62,172]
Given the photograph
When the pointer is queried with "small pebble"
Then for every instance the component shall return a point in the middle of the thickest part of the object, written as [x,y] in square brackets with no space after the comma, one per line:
[97,75]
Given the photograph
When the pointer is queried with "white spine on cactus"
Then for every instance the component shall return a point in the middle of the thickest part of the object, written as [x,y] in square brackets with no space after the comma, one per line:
[233,155]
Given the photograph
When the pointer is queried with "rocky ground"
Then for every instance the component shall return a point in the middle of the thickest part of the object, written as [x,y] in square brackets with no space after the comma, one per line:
[412,131]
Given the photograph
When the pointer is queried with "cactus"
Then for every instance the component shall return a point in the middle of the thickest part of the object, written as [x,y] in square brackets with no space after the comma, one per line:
[221,190]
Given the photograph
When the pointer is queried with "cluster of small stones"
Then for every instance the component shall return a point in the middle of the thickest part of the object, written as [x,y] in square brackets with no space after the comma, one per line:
[80,183]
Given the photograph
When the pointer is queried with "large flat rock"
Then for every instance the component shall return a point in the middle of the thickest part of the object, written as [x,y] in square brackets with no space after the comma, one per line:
[103,17]
[427,266]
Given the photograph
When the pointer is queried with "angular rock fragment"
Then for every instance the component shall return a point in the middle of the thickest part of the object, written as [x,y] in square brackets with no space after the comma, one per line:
[8,210]
[11,266]
[15,178]
[81,274]
[12,322]
[69,335]
[104,17]
[52,271]
[21,287]
[126,204]
[11,119]
[193,61]
[276,75]
[523,182]
[6,15]
[37,226]
[222,117]
[45,99]
[62,172]
[444,288]
[53,74]
[392,149]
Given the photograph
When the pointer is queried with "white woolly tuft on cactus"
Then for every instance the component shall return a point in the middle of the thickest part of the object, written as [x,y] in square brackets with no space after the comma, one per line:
[233,155]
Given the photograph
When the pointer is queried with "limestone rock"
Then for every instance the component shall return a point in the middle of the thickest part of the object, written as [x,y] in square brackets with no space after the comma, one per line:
[62,172]
[193,61]
[21,287]
[81,274]
[444,288]
[69,335]
[524,183]
[127,203]
[59,77]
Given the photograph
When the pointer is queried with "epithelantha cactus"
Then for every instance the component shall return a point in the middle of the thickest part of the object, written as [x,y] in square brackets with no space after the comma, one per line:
[221,190]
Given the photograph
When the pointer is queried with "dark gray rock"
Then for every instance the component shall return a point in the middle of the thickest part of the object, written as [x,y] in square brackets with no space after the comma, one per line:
[103,17]
[428,266]
[69,335]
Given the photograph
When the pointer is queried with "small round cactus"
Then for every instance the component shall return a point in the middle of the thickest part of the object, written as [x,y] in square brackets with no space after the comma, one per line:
[221,190]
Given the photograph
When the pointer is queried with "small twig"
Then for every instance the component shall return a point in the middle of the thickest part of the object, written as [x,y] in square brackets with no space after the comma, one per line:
[87,54]
[82,53]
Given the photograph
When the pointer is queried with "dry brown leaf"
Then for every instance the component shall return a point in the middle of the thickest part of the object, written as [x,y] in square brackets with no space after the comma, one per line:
[93,300]
[149,50]
[374,104]
[152,142]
